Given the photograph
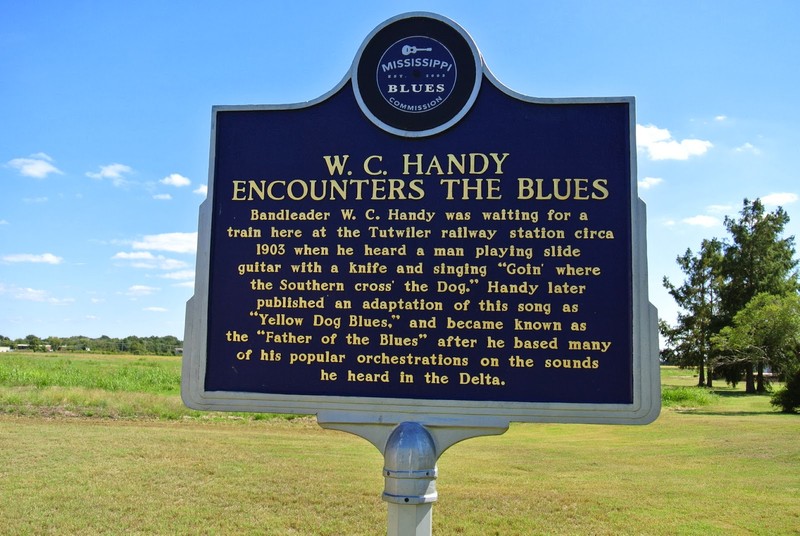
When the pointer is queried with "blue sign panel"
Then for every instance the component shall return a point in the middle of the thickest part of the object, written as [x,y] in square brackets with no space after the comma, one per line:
[422,233]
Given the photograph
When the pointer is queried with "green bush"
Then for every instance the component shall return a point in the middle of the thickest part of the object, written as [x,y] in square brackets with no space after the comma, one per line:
[788,398]
[687,397]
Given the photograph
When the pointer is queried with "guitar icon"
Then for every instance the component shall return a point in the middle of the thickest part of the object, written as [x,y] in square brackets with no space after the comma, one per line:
[410,49]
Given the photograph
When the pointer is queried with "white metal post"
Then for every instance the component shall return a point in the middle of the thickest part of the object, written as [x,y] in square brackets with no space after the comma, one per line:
[410,480]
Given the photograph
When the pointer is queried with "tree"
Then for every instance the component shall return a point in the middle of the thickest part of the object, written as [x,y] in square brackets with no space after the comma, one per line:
[765,333]
[33,342]
[54,342]
[788,398]
[689,342]
[758,260]
[134,345]
[159,345]
[105,345]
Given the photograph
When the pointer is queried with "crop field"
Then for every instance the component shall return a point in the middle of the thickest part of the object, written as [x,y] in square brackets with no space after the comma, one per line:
[102,445]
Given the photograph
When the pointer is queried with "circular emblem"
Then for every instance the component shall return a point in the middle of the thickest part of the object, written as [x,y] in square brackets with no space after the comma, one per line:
[416,74]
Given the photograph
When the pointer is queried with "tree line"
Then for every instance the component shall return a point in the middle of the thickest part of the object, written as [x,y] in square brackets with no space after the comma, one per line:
[739,318]
[166,345]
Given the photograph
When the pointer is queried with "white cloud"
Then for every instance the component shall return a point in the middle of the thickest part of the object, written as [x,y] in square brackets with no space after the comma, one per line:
[748,148]
[38,166]
[44,258]
[156,309]
[137,291]
[719,209]
[180,274]
[114,172]
[148,261]
[720,118]
[201,190]
[779,199]
[174,242]
[165,263]
[32,200]
[3,222]
[162,197]
[133,255]
[175,179]
[660,145]
[32,294]
[650,182]
[702,221]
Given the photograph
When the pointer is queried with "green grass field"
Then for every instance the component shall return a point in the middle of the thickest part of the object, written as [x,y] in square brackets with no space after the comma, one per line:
[102,445]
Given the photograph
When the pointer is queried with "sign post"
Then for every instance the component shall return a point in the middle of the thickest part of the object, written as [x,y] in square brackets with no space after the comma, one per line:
[421,256]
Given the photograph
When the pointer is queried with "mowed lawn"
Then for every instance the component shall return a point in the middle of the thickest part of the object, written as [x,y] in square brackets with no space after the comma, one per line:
[98,459]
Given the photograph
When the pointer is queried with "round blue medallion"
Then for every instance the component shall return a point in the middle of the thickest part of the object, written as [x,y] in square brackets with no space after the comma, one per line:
[416,74]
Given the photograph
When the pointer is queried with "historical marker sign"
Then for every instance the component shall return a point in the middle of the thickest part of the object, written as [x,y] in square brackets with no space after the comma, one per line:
[424,242]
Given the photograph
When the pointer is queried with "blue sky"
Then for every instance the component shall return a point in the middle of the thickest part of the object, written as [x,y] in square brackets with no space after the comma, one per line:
[105,110]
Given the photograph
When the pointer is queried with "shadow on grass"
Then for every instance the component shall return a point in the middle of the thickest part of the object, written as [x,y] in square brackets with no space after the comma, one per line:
[737,402]
[732,413]
[734,394]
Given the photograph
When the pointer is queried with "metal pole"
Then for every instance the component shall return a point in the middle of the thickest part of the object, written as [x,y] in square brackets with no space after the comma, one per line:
[410,480]
[410,451]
